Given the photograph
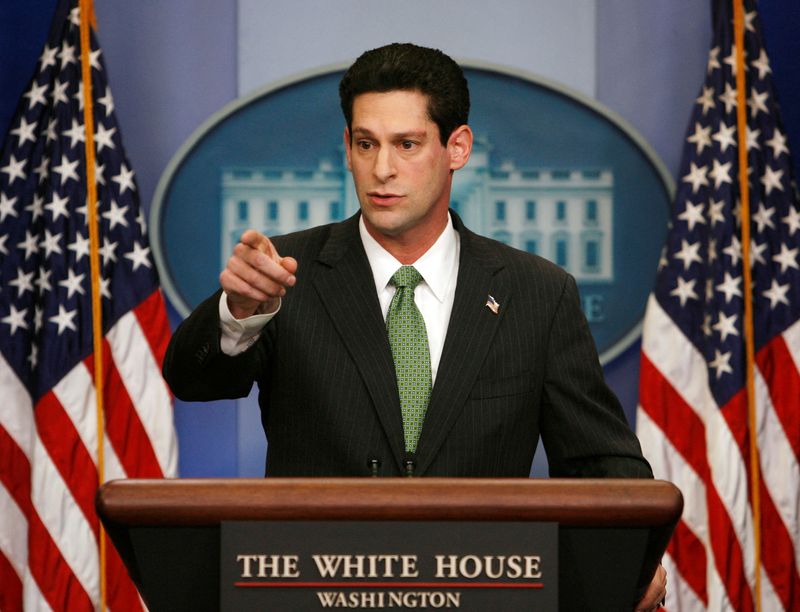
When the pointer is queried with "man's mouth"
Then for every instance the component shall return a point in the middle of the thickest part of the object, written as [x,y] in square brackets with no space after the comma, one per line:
[383,199]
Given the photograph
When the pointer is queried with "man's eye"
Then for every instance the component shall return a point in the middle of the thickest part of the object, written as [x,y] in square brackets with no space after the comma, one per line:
[408,144]
[364,145]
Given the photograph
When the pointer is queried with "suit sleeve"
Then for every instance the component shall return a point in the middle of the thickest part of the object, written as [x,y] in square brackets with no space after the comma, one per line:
[583,426]
[195,367]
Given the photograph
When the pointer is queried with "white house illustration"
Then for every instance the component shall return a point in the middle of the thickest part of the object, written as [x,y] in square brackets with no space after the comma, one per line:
[563,214]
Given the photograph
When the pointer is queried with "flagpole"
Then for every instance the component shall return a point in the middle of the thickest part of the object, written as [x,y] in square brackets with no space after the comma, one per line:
[86,14]
[749,342]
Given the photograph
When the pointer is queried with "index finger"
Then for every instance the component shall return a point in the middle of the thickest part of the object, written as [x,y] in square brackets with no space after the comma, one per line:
[258,241]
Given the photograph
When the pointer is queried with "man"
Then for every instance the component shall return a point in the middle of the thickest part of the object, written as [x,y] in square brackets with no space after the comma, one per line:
[509,355]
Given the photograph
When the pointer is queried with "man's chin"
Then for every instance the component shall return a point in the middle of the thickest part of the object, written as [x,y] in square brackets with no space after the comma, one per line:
[386,223]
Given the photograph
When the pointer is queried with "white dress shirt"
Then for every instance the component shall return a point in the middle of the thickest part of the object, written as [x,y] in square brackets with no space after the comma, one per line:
[434,295]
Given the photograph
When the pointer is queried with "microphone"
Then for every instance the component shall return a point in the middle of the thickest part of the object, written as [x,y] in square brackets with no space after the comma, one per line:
[374,465]
[409,464]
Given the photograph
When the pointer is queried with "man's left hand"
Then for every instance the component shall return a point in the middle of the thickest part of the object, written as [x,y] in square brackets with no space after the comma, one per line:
[655,593]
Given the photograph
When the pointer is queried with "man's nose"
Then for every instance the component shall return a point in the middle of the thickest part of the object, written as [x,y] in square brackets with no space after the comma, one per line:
[384,164]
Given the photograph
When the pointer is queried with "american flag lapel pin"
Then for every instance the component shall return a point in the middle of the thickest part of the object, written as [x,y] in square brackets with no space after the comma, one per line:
[493,305]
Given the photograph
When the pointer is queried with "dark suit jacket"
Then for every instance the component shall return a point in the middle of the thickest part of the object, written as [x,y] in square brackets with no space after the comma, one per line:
[328,395]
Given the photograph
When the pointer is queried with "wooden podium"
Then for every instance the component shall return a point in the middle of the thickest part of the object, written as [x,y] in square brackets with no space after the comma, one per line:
[611,532]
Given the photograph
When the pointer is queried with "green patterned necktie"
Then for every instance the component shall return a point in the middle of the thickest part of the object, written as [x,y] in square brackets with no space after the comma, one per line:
[412,358]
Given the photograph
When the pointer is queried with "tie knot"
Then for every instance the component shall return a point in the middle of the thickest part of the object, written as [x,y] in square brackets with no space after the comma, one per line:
[406,276]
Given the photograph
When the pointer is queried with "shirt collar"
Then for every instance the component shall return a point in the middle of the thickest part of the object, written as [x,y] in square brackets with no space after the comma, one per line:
[436,265]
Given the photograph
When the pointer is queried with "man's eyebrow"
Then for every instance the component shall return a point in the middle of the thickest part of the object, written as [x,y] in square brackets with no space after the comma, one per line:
[362,131]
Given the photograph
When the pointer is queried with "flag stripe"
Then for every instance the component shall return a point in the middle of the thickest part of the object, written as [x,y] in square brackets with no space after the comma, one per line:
[13,550]
[15,505]
[776,364]
[76,394]
[728,556]
[65,524]
[15,472]
[769,596]
[33,600]
[780,487]
[779,555]
[141,374]
[686,433]
[125,432]
[685,546]
[55,579]
[680,595]
[154,324]
[121,594]
[722,539]
[16,409]
[11,591]
[68,455]
[792,338]
[779,467]
[668,461]
[737,500]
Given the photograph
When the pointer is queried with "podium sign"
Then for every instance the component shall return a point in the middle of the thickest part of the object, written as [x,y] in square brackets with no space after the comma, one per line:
[282,565]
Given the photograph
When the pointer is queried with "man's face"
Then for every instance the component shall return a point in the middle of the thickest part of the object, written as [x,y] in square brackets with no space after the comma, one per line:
[401,170]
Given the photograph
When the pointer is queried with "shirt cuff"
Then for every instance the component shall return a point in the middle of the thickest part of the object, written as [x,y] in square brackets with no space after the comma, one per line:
[238,335]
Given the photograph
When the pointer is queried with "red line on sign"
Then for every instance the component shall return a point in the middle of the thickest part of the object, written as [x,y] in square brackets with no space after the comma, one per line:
[386,585]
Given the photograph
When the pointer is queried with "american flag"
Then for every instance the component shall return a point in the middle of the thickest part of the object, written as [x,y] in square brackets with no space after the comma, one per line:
[49,532]
[692,417]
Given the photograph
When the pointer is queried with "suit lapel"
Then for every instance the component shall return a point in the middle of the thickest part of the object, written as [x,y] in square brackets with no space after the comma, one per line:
[345,287]
[469,336]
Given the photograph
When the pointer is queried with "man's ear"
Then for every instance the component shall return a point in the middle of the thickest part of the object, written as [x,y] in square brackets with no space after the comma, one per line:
[459,145]
[347,148]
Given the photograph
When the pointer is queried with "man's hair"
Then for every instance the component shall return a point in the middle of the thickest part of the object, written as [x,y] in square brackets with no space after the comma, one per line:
[408,67]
